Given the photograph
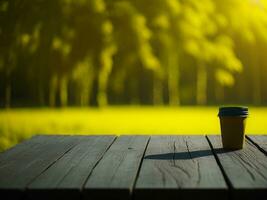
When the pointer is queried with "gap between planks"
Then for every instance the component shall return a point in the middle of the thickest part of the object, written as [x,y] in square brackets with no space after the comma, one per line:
[50,165]
[256,144]
[139,168]
[226,178]
[98,162]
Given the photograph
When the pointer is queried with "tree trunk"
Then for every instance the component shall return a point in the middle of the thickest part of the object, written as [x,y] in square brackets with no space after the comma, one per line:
[103,76]
[63,91]
[84,101]
[134,92]
[85,90]
[201,93]
[219,93]
[102,98]
[173,79]
[41,95]
[256,76]
[53,91]
[257,86]
[157,91]
[8,90]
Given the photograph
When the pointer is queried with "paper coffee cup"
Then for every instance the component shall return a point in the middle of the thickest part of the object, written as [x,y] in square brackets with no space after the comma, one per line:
[233,123]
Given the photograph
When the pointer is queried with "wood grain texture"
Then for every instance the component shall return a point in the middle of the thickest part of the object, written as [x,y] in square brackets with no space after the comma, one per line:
[260,141]
[133,167]
[181,167]
[19,149]
[65,178]
[246,170]
[115,174]
[18,170]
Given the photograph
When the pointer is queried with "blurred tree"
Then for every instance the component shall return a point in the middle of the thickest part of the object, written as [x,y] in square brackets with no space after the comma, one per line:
[131,36]
[202,29]
[248,33]
[92,47]
[83,75]
[41,40]
[162,17]
[10,14]
[101,50]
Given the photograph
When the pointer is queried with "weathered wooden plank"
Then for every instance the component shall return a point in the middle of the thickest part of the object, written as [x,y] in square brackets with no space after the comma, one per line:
[17,171]
[65,178]
[115,174]
[179,167]
[15,151]
[11,154]
[260,141]
[246,169]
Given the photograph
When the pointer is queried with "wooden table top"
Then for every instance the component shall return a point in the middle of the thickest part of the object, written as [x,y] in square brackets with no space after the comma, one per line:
[133,167]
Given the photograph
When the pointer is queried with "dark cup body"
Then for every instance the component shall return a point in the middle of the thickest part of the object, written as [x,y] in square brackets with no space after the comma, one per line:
[233,123]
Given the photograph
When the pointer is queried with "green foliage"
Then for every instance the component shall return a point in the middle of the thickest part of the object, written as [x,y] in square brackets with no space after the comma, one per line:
[152,51]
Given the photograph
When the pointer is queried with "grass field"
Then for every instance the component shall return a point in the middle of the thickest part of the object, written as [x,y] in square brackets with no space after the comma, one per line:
[18,124]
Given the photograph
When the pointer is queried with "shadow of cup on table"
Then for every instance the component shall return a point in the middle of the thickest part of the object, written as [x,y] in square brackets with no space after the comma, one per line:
[186,155]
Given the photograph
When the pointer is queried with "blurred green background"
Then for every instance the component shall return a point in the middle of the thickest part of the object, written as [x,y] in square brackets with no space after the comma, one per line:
[129,66]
